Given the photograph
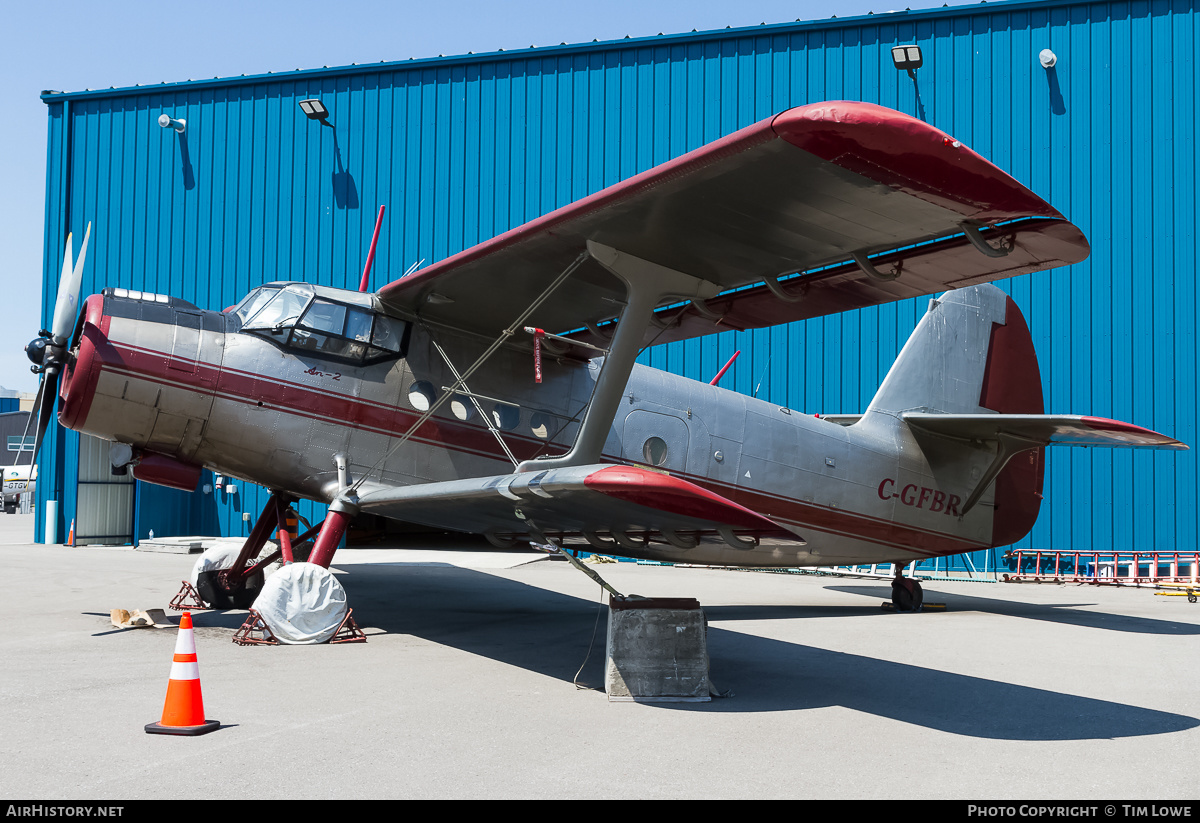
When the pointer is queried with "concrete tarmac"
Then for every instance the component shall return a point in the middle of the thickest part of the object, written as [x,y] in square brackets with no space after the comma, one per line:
[466,688]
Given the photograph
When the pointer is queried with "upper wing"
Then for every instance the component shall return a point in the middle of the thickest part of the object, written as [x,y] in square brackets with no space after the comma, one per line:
[800,191]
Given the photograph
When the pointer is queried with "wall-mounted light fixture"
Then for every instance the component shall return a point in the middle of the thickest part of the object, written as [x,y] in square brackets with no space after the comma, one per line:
[315,110]
[1047,58]
[907,58]
[169,122]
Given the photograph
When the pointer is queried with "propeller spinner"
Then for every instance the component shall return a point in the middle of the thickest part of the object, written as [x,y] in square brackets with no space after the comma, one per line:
[48,351]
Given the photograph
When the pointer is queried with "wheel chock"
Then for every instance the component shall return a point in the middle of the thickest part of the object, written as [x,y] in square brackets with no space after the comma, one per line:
[888,606]
[188,599]
[254,632]
[348,631]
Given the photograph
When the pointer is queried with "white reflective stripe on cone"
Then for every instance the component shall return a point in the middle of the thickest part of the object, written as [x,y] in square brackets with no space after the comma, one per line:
[185,642]
[185,671]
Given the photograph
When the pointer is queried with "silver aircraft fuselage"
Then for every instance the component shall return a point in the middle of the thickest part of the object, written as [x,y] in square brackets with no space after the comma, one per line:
[270,405]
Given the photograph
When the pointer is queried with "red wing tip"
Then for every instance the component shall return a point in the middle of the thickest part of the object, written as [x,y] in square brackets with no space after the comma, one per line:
[908,154]
[659,490]
[1120,427]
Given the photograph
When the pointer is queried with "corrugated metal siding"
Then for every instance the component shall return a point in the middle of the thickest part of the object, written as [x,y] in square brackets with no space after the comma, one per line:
[462,149]
[104,511]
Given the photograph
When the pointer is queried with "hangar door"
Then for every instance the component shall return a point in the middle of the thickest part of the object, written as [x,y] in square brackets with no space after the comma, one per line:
[104,503]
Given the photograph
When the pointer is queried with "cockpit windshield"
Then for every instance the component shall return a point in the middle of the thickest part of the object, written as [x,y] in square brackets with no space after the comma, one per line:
[295,317]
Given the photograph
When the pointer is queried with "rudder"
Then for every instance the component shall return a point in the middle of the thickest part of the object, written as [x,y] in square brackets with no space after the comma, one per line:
[972,353]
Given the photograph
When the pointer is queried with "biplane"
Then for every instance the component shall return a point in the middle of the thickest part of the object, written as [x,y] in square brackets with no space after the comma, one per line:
[496,392]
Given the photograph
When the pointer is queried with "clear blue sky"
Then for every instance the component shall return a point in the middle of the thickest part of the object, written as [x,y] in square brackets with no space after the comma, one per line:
[71,45]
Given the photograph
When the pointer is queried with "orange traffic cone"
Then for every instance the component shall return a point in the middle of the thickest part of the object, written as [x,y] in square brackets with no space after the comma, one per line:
[71,534]
[183,711]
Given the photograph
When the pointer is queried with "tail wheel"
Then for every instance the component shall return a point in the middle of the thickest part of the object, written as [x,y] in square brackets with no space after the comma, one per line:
[907,595]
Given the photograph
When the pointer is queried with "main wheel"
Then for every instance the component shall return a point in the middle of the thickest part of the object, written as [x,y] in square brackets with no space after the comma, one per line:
[302,604]
[206,577]
[217,595]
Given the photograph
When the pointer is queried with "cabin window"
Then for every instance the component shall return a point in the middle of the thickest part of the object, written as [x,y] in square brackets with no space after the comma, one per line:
[655,451]
[421,395]
[506,417]
[462,407]
[540,424]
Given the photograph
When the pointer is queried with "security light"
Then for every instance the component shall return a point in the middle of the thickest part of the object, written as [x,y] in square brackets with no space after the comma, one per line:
[169,122]
[315,110]
[907,58]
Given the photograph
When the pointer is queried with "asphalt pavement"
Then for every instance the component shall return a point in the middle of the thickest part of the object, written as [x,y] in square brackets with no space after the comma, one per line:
[482,678]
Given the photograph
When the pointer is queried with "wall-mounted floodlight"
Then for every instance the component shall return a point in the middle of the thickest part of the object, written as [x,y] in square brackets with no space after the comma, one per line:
[907,58]
[1047,58]
[169,122]
[315,110]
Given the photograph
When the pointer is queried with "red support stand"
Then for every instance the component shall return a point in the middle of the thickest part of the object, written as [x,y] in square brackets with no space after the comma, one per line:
[188,599]
[348,631]
[254,632]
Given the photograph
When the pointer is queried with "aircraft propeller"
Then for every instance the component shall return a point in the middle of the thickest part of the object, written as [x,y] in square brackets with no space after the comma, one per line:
[48,351]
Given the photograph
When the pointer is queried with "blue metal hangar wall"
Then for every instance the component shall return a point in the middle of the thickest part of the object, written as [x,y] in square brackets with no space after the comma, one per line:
[460,149]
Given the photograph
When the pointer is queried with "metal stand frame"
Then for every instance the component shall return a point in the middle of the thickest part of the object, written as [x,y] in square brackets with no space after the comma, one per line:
[348,631]
[187,600]
[255,632]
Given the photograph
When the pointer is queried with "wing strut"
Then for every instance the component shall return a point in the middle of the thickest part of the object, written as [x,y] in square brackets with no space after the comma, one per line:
[461,381]
[646,286]
[349,495]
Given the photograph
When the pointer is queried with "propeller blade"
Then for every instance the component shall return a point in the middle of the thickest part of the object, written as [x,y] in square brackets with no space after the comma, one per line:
[37,405]
[45,405]
[66,307]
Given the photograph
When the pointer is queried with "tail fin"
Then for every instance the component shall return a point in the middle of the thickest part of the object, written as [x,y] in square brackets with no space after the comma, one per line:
[972,354]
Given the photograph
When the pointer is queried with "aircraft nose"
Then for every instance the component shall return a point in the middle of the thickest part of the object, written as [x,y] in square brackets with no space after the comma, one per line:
[82,371]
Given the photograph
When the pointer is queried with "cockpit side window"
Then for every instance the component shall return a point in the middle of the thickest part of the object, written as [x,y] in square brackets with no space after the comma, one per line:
[293,317]
[279,314]
[254,301]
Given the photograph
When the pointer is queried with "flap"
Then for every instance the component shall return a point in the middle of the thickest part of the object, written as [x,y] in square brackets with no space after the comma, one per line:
[1047,429]
[572,501]
[803,190]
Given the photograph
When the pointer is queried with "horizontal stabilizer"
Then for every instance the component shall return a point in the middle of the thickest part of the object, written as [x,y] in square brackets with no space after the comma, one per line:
[1043,429]
[604,503]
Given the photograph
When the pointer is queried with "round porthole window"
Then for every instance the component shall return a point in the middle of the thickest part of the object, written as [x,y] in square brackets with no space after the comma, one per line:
[540,424]
[421,395]
[655,451]
[506,417]
[462,407]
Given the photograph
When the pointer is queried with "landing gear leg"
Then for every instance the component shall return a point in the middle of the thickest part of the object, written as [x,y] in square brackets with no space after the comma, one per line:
[907,595]
[331,534]
[236,587]
[304,603]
